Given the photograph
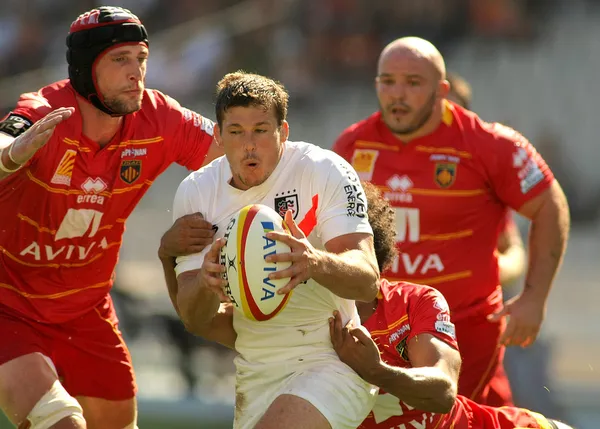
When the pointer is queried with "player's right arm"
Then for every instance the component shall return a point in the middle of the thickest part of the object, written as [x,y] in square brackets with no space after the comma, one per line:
[18,146]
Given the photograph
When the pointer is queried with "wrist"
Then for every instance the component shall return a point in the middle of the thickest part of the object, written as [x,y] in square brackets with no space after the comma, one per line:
[7,163]
[534,293]
[376,373]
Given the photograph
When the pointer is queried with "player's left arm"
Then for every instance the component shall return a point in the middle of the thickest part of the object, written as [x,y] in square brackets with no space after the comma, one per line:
[348,266]
[521,179]
[432,382]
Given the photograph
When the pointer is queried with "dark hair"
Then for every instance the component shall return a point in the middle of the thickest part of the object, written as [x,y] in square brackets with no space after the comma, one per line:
[241,89]
[461,89]
[383,222]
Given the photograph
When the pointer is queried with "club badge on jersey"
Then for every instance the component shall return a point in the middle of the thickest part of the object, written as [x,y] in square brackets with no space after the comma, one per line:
[14,125]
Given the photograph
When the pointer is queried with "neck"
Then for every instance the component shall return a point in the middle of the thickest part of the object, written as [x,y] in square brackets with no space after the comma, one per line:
[428,127]
[366,309]
[97,125]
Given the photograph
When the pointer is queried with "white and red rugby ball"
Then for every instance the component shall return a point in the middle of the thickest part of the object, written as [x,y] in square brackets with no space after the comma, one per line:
[250,289]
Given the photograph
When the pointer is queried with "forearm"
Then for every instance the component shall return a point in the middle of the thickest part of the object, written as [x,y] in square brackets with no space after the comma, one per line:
[349,274]
[547,245]
[168,265]
[219,329]
[5,159]
[197,305]
[424,388]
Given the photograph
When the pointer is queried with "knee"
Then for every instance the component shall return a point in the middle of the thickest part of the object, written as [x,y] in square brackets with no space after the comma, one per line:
[56,405]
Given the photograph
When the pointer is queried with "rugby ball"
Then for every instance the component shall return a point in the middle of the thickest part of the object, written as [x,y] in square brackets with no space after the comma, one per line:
[249,287]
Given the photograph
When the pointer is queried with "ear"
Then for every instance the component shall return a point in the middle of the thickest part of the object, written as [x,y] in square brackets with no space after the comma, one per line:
[443,88]
[217,134]
[284,133]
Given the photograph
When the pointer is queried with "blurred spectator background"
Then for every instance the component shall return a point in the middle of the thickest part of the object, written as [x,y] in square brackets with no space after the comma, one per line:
[532,64]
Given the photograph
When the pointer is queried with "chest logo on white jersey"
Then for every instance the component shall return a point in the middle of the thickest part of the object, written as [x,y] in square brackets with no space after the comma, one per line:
[285,201]
[64,171]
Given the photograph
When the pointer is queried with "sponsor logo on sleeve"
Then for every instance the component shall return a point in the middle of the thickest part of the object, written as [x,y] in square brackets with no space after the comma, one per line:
[14,125]
[529,172]
[199,121]
[446,328]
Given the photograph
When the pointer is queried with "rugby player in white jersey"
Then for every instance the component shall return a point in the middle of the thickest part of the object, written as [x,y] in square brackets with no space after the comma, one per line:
[287,372]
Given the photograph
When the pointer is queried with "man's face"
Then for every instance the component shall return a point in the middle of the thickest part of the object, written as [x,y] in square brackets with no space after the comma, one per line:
[120,75]
[253,143]
[407,89]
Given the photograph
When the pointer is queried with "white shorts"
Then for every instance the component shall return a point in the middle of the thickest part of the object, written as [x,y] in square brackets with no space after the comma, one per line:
[332,387]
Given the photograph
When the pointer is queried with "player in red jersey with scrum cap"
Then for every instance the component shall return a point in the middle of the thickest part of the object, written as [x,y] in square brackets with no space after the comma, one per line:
[451,177]
[76,157]
[407,347]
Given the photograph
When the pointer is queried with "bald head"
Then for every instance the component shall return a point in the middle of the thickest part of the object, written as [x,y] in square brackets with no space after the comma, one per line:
[417,49]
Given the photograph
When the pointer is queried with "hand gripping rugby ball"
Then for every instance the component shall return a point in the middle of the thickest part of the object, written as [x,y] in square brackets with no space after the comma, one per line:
[250,289]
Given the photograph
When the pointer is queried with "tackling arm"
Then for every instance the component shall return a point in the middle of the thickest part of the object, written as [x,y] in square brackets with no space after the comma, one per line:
[432,383]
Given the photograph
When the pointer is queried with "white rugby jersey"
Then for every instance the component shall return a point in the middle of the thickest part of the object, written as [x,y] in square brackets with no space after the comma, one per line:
[308,179]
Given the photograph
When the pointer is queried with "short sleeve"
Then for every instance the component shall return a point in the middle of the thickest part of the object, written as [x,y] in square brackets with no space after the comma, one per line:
[344,205]
[190,133]
[517,172]
[430,314]
[187,201]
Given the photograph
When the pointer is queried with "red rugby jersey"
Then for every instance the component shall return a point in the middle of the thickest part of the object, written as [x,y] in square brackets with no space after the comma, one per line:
[405,310]
[63,214]
[450,190]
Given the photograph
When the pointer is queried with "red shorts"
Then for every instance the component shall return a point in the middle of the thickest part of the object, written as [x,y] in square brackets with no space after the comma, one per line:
[89,353]
[482,376]
[484,417]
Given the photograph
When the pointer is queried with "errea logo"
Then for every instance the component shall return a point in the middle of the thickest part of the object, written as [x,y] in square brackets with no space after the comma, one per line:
[399,183]
[92,188]
[399,186]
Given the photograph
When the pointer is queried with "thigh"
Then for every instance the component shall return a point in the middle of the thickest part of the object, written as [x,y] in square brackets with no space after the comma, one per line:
[292,412]
[92,358]
[25,374]
[105,414]
[335,393]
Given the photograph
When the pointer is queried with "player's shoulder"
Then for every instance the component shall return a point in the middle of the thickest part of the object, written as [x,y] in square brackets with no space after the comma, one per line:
[406,294]
[363,129]
[162,108]
[38,104]
[483,134]
[317,160]
[207,177]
